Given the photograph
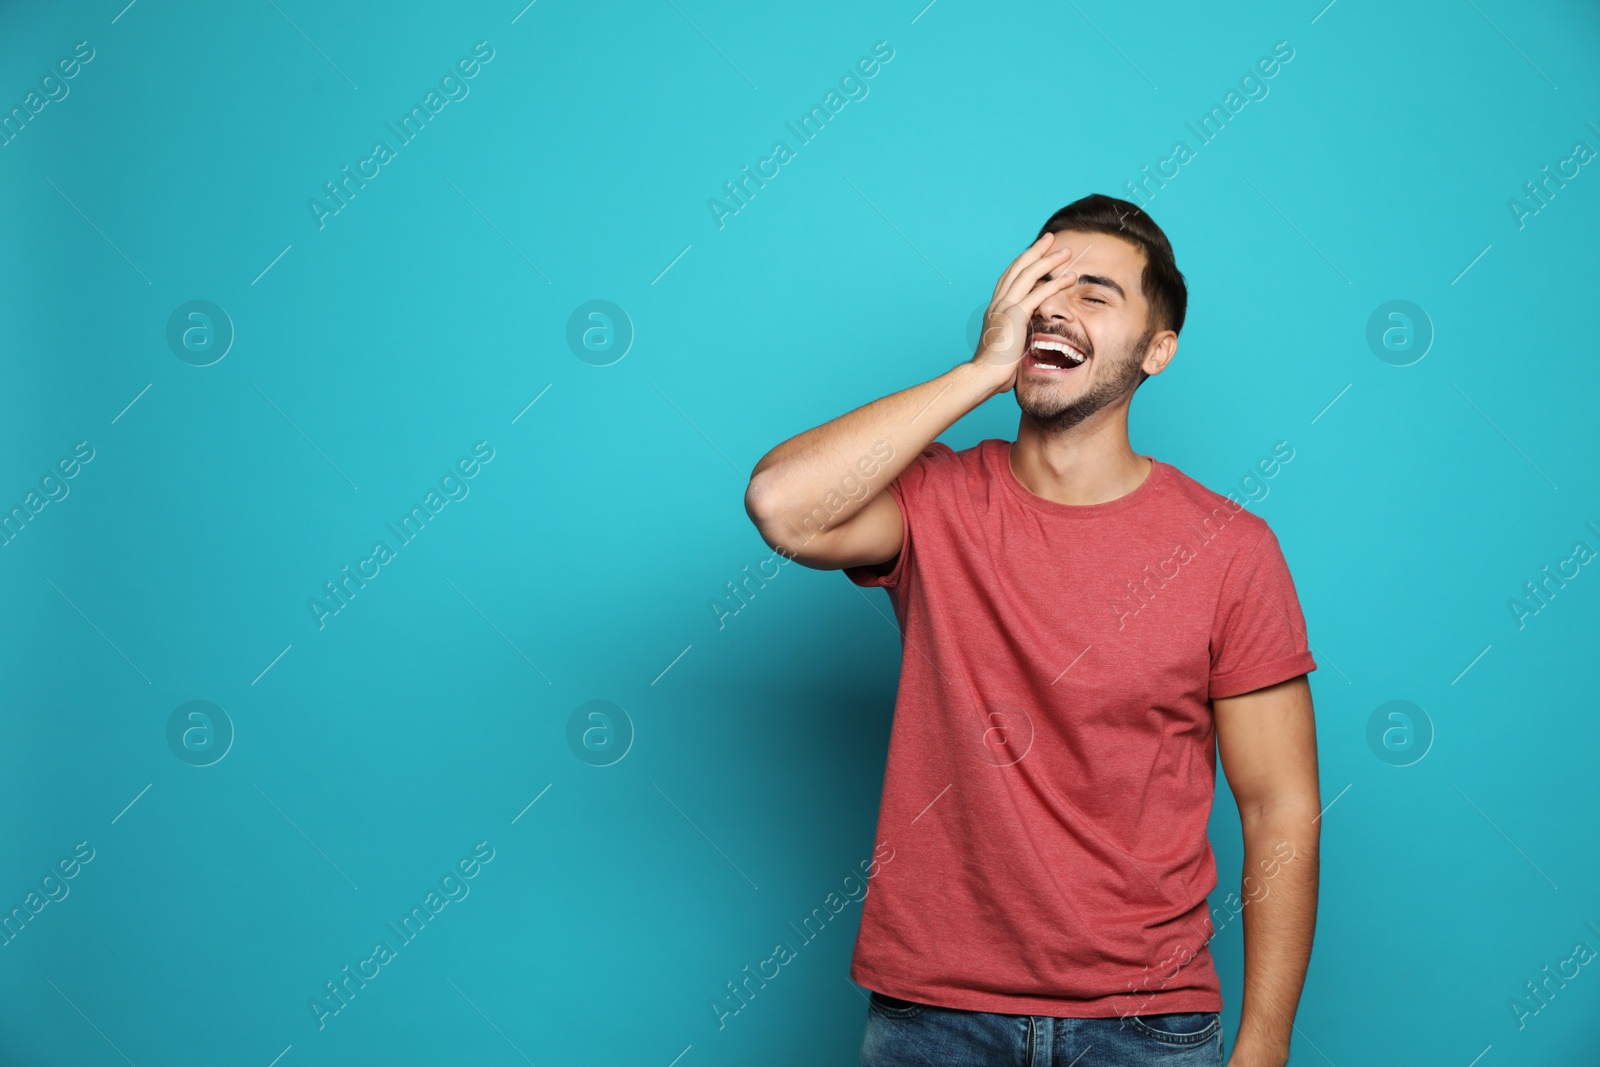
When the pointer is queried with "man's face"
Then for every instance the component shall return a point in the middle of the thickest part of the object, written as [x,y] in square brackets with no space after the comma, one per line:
[1103,315]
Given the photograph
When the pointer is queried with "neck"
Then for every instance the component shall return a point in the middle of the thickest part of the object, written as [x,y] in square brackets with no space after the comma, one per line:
[1091,463]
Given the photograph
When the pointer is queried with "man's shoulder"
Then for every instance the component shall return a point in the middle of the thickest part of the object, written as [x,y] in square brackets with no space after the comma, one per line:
[944,459]
[941,451]
[1189,495]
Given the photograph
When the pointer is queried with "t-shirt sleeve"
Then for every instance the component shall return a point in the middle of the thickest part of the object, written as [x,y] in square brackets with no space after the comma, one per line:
[1259,635]
[910,490]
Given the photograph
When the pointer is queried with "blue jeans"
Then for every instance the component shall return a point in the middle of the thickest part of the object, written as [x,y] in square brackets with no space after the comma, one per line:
[903,1033]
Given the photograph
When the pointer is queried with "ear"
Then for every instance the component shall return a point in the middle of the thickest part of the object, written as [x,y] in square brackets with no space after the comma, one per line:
[1163,346]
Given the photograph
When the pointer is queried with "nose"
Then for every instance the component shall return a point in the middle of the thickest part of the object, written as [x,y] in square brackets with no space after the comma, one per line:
[1055,307]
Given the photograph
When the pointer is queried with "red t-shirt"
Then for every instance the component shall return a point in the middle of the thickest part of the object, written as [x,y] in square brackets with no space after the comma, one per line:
[1052,755]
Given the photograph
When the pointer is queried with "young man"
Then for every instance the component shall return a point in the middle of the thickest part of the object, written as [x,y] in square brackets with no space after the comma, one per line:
[1081,626]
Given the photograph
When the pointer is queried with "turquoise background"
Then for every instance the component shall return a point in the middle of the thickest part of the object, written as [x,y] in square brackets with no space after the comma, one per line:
[433,712]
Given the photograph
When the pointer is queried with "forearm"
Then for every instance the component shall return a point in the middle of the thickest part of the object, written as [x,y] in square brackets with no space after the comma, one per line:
[883,437]
[1280,888]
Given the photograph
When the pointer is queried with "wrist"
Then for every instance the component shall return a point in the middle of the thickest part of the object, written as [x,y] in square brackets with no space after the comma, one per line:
[984,381]
[1248,1054]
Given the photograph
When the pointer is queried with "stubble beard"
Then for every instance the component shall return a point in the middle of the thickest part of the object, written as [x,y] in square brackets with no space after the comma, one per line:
[1055,410]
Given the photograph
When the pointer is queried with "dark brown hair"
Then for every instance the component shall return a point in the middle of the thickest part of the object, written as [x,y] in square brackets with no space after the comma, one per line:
[1162,282]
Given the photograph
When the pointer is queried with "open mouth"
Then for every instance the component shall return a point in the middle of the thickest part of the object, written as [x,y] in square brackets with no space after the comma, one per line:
[1052,355]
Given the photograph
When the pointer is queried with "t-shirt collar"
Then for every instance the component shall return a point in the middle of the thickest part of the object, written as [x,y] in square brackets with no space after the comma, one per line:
[1000,455]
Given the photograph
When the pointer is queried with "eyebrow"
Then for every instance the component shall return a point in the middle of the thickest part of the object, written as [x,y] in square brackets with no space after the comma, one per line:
[1096,279]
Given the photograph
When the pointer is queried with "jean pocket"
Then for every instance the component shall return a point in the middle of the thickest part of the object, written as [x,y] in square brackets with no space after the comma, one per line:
[893,1007]
[1179,1027]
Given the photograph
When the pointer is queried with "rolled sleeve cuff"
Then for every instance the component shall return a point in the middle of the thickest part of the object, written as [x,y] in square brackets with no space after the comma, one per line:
[1251,678]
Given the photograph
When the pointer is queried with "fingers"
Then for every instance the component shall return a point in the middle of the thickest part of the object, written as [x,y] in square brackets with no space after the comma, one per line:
[1029,254]
[1029,276]
[1001,341]
[1030,301]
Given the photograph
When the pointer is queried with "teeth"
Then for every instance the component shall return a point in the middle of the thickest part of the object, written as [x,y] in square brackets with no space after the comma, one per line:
[1058,346]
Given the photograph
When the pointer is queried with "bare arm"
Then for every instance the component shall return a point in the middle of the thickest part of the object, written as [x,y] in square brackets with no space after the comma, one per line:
[806,495]
[795,486]
[1268,743]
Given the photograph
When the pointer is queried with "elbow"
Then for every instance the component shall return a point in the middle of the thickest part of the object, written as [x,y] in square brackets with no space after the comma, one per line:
[1269,814]
[758,499]
[764,508]
[778,524]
